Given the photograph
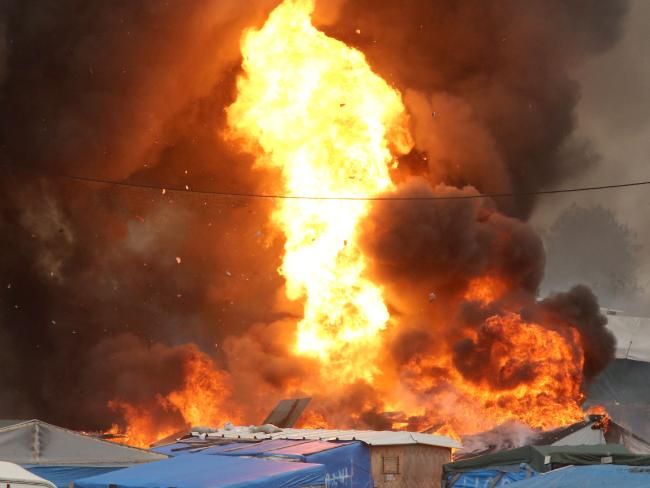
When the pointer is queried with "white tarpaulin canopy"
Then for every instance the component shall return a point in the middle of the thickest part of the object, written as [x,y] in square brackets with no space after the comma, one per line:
[632,336]
[34,442]
[11,473]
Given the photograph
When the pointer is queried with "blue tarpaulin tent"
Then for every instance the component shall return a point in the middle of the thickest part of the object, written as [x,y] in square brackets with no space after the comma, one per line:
[347,464]
[206,471]
[597,476]
[62,475]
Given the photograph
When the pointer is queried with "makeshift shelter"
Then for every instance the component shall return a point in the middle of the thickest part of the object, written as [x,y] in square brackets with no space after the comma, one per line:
[594,430]
[13,476]
[61,455]
[347,464]
[396,458]
[211,471]
[620,387]
[606,476]
[504,467]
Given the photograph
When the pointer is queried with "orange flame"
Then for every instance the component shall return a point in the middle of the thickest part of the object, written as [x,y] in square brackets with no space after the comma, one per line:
[201,401]
[548,397]
[312,107]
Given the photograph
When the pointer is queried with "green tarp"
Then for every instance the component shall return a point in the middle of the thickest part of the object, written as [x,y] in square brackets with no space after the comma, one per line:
[542,458]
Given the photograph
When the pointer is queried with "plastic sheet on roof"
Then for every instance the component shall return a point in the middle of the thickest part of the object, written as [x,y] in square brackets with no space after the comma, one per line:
[347,464]
[278,447]
[61,476]
[205,471]
[543,458]
[370,437]
[489,478]
[605,476]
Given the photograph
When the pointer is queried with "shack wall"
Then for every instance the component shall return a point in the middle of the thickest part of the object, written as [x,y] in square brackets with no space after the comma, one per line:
[420,466]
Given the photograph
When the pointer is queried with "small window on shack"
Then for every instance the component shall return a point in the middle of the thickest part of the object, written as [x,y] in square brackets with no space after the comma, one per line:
[390,464]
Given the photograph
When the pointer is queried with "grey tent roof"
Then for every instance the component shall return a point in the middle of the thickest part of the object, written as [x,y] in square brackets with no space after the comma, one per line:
[588,432]
[7,422]
[34,442]
[542,458]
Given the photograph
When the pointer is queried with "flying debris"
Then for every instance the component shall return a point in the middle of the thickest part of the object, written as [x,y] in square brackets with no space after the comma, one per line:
[432,297]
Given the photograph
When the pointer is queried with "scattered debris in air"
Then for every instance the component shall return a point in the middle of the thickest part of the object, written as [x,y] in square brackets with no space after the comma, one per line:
[178,259]
[432,297]
[228,273]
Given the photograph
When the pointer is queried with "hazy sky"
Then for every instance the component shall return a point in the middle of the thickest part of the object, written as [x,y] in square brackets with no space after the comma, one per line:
[614,114]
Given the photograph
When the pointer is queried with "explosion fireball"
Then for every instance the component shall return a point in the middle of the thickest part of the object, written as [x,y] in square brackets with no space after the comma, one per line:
[311,109]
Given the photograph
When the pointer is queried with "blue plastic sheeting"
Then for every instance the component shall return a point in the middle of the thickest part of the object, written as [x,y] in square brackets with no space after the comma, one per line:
[489,478]
[597,476]
[252,448]
[347,464]
[181,448]
[62,475]
[204,471]
[275,447]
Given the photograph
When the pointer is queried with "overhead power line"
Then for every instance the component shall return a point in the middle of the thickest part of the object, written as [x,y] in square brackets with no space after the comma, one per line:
[187,189]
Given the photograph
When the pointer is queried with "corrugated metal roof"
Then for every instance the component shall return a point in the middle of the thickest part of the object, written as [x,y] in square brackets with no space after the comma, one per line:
[370,437]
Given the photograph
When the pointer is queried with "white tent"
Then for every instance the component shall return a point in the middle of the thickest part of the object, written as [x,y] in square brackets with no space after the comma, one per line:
[13,476]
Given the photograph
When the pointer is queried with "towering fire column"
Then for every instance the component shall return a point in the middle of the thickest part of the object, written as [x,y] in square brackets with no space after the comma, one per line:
[312,107]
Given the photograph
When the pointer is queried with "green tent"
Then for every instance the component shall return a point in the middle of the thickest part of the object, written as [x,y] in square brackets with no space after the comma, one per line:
[545,458]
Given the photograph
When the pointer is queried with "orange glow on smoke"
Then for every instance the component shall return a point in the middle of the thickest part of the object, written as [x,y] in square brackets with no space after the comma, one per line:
[312,107]
[485,289]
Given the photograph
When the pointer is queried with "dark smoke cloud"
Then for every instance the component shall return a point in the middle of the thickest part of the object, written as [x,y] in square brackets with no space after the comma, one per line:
[497,78]
[421,246]
[579,306]
[441,245]
[93,303]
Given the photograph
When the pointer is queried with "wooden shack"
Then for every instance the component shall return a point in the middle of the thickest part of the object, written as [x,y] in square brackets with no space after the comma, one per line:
[408,465]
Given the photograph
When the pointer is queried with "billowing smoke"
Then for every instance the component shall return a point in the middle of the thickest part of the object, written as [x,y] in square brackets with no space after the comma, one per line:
[105,292]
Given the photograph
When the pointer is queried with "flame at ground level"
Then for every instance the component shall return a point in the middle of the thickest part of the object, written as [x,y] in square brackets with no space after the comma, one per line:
[203,400]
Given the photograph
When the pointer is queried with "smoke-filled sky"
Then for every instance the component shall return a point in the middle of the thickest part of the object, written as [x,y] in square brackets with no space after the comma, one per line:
[614,115]
[106,291]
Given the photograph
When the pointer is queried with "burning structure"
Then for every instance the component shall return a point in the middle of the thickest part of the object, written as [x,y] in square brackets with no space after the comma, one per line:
[379,281]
